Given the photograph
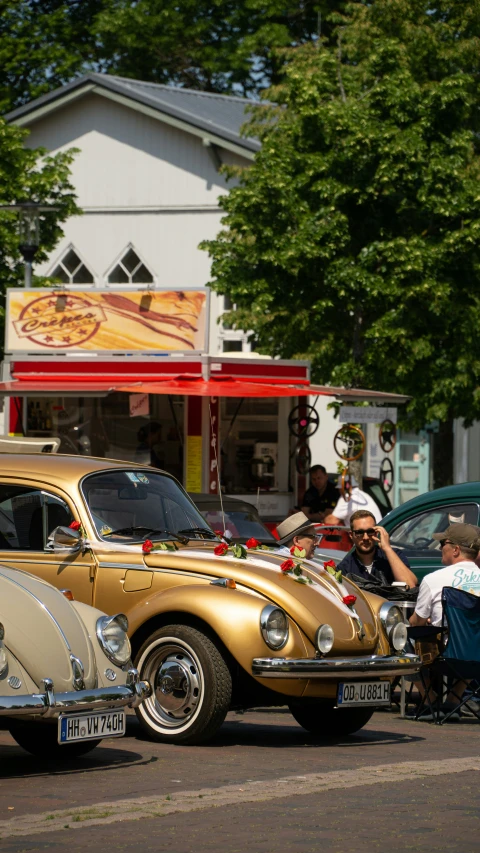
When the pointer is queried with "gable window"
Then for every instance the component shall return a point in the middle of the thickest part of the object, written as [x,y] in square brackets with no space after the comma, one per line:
[130,269]
[71,269]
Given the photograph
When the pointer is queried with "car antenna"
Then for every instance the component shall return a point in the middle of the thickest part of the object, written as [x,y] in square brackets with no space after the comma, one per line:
[214,445]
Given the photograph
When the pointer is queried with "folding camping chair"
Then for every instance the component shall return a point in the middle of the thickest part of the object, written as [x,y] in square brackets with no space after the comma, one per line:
[459,658]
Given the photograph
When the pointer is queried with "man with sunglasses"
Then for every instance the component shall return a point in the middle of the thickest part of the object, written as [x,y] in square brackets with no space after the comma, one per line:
[373,556]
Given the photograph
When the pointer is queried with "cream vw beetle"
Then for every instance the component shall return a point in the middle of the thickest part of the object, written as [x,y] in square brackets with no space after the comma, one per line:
[65,671]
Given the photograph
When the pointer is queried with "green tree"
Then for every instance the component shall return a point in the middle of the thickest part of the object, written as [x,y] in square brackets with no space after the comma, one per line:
[29,175]
[354,238]
[214,45]
[43,44]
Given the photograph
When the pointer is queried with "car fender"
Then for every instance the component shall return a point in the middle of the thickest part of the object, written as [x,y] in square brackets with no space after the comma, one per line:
[233,615]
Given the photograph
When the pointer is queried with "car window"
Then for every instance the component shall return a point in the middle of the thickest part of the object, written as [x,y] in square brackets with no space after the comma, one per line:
[28,516]
[122,500]
[415,535]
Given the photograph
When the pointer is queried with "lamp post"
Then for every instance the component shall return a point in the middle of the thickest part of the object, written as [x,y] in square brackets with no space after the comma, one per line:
[29,230]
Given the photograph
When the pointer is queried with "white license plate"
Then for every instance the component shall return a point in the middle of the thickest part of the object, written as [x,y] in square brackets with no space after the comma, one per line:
[75,727]
[363,693]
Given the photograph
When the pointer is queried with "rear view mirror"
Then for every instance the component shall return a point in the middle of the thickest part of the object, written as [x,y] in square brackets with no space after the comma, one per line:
[137,492]
[65,539]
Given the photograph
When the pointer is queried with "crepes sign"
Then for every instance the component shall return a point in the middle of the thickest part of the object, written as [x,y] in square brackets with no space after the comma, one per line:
[41,320]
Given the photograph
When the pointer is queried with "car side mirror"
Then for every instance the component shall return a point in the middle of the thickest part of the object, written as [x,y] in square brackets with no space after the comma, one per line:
[65,539]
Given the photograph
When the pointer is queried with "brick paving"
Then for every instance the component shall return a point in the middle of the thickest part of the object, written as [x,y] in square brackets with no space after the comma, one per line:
[435,814]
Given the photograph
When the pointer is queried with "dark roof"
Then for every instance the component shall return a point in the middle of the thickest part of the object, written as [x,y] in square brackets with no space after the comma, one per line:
[221,115]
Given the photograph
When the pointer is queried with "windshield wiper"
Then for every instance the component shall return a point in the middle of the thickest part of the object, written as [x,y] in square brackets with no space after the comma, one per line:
[128,531]
[203,531]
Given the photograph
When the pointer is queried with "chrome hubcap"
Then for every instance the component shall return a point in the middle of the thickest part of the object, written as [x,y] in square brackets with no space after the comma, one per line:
[175,675]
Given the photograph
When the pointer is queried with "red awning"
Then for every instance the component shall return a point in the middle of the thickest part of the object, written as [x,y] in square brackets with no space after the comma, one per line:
[221,387]
[78,385]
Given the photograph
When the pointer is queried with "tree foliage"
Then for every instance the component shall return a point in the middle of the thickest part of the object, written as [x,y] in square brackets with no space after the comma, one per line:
[30,175]
[44,44]
[215,45]
[354,238]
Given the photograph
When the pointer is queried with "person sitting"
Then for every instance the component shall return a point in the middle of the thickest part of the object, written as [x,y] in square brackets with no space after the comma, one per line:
[322,496]
[373,555]
[460,546]
[356,499]
[297,530]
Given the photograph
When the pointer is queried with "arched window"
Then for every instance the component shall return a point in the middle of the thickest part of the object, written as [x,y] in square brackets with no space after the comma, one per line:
[130,269]
[71,270]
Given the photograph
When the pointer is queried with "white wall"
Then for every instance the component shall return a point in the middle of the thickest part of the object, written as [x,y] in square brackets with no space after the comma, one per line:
[321,444]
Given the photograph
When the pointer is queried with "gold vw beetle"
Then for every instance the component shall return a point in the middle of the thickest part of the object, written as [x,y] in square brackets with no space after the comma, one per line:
[212,627]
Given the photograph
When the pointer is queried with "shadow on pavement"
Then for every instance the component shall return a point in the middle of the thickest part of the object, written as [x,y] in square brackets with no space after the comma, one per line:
[244,731]
[18,763]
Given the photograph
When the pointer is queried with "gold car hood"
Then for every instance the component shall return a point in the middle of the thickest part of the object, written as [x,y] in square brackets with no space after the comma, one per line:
[42,630]
[309,605]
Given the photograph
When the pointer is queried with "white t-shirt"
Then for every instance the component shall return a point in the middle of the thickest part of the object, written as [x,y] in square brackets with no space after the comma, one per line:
[464,575]
[357,500]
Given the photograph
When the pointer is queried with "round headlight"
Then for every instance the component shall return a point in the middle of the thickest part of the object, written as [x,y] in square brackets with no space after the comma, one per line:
[3,660]
[274,626]
[324,639]
[112,636]
[398,636]
[390,615]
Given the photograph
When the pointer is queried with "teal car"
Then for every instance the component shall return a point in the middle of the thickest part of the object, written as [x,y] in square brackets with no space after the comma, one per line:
[411,526]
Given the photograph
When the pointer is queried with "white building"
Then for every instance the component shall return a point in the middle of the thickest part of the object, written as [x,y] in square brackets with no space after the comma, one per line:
[147,178]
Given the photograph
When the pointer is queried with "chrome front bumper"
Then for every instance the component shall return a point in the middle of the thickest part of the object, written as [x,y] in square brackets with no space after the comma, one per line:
[50,705]
[336,668]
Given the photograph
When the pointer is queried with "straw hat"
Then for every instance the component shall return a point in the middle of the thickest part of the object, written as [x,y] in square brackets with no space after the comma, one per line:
[294,525]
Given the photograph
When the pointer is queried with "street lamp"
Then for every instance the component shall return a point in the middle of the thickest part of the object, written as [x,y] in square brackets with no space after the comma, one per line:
[29,230]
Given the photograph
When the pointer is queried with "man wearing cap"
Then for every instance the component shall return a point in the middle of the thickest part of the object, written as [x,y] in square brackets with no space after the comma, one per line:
[297,530]
[460,544]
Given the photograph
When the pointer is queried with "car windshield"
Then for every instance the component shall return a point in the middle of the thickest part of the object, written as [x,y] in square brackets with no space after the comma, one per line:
[136,504]
[240,524]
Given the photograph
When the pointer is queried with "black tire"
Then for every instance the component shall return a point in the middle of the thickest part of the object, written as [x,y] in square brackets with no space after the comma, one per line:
[323,719]
[191,686]
[41,740]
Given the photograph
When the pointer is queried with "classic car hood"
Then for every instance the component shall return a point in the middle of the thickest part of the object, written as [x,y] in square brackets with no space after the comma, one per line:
[42,630]
[309,605]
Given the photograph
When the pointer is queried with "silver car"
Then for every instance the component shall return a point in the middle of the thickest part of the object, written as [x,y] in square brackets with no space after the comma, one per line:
[65,672]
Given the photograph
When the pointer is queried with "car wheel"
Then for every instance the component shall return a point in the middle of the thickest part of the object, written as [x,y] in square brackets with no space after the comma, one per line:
[41,740]
[191,686]
[322,718]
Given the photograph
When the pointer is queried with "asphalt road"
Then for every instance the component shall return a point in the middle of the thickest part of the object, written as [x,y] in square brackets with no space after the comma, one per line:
[263,785]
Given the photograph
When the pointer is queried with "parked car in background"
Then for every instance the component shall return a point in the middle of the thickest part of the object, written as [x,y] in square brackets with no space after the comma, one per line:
[411,526]
[212,627]
[65,670]
[239,520]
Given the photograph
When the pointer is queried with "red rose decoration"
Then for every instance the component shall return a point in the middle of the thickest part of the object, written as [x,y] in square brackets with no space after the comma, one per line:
[330,564]
[349,600]
[221,549]
[252,543]
[147,546]
[75,525]
[287,566]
